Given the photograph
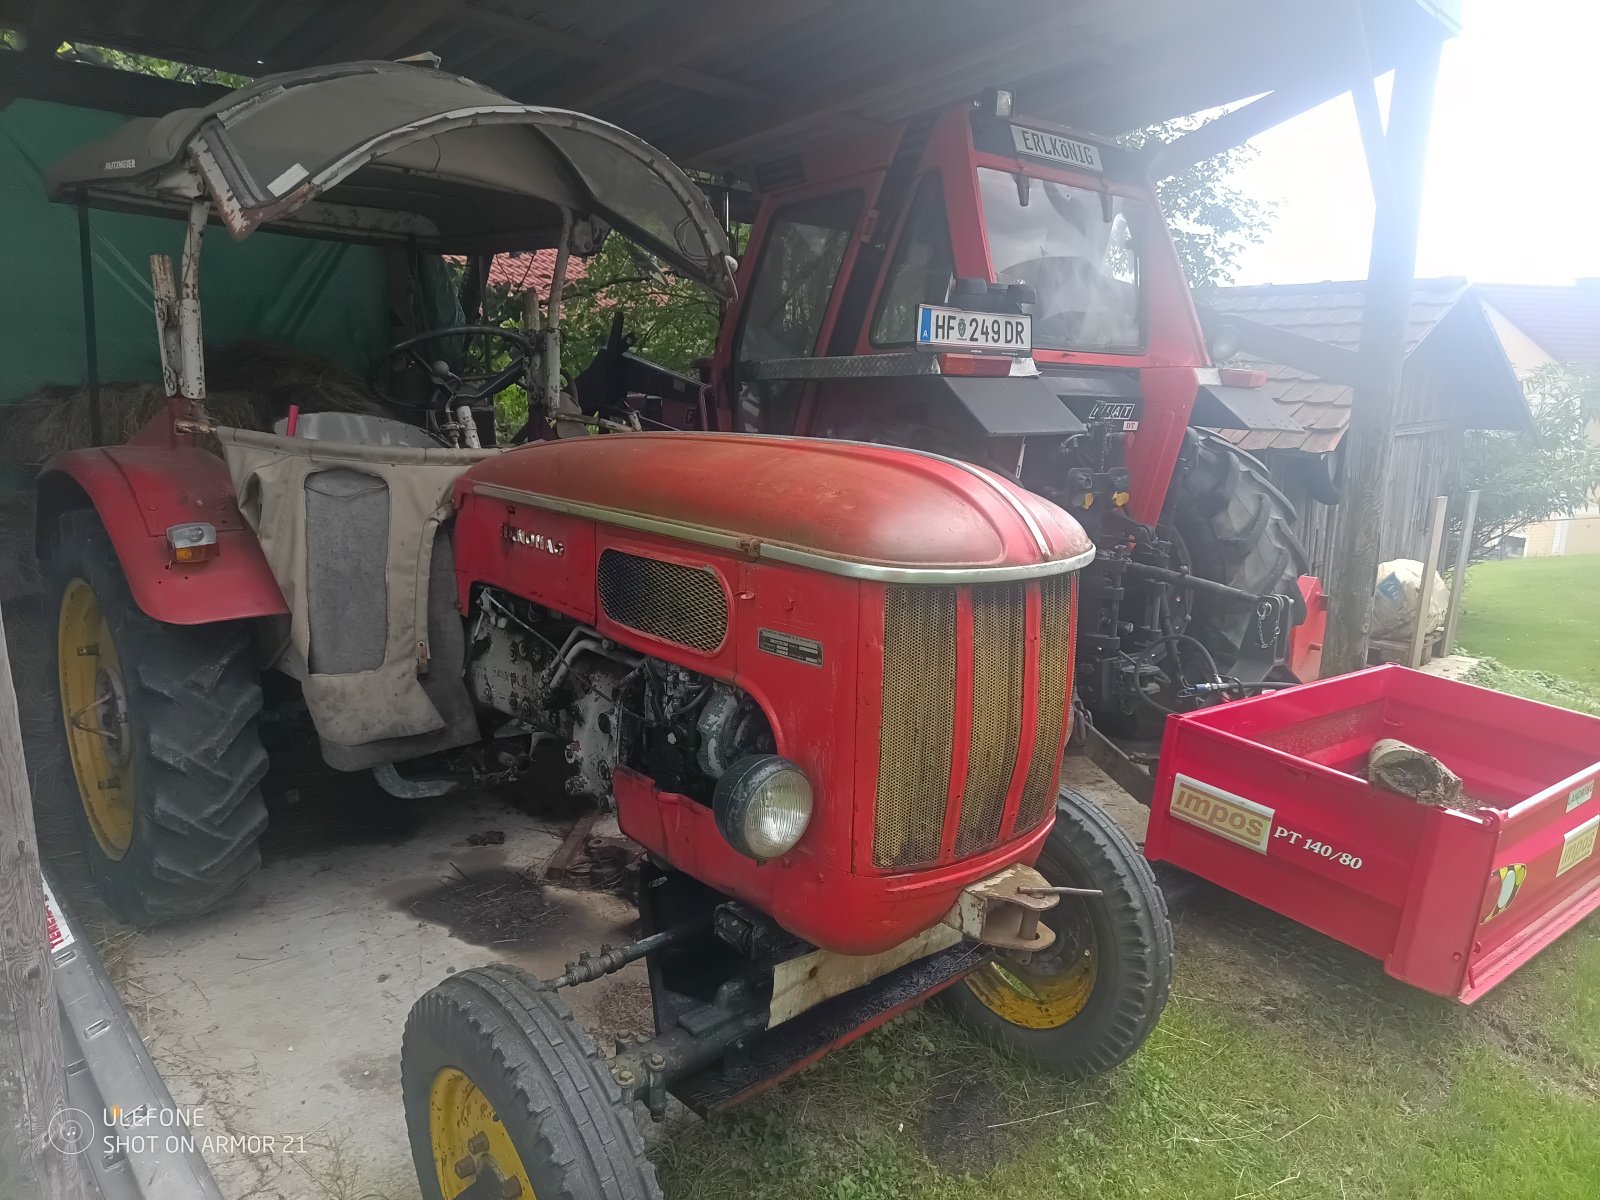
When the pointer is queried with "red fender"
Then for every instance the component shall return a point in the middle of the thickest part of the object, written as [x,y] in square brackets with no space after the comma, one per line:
[139,491]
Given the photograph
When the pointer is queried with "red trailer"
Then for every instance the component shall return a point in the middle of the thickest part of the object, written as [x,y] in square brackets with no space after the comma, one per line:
[1268,798]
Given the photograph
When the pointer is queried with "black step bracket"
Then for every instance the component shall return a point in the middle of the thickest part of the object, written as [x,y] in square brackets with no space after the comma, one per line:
[772,1056]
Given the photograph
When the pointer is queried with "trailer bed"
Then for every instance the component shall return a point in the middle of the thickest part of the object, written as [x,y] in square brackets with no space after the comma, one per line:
[1268,798]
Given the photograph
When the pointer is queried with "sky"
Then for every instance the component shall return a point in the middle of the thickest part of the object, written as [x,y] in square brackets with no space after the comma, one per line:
[1512,191]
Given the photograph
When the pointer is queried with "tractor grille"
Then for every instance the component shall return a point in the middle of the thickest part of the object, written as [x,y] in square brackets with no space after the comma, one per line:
[998,632]
[923,737]
[680,604]
[1055,694]
[914,739]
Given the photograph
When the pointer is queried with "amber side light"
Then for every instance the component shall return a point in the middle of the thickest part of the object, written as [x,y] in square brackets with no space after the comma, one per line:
[195,542]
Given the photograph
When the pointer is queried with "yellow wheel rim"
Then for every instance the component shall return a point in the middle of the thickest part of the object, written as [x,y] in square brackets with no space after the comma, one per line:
[94,708]
[470,1145]
[1043,995]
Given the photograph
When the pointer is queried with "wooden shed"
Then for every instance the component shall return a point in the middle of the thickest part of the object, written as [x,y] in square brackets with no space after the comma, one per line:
[1457,377]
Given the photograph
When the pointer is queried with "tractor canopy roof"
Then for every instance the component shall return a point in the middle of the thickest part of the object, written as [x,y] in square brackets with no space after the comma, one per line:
[389,151]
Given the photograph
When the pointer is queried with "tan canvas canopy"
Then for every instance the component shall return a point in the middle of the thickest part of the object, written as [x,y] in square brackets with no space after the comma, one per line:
[390,151]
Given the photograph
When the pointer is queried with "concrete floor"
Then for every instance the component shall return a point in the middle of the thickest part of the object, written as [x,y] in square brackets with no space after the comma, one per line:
[281,1016]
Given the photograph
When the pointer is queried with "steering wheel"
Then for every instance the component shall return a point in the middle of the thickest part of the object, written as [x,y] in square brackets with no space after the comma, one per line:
[465,364]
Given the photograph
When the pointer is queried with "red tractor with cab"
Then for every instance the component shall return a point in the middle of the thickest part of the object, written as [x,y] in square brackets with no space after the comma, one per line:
[992,288]
[825,682]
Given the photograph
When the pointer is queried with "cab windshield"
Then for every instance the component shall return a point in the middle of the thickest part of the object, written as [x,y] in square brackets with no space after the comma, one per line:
[1077,248]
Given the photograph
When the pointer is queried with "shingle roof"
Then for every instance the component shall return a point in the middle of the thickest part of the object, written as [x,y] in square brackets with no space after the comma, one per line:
[519,272]
[1565,321]
[1327,312]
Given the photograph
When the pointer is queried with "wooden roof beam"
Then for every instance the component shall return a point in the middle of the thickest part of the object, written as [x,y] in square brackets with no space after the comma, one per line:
[666,44]
[570,45]
[936,77]
[401,23]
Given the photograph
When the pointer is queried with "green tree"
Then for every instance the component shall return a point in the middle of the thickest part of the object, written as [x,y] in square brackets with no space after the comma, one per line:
[1211,220]
[1554,471]
[146,64]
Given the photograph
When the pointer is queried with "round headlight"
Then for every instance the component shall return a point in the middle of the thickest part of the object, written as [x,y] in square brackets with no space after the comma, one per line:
[762,805]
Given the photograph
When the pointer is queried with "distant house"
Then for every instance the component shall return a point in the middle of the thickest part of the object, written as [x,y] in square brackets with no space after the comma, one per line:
[1540,326]
[1457,377]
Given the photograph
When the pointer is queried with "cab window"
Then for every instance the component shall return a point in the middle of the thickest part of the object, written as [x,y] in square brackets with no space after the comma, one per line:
[794,281]
[922,267]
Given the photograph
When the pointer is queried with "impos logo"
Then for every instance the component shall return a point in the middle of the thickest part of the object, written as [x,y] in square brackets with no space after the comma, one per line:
[71,1131]
[1241,821]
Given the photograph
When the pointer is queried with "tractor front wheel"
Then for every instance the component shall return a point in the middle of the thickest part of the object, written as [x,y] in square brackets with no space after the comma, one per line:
[506,1096]
[159,735]
[1090,999]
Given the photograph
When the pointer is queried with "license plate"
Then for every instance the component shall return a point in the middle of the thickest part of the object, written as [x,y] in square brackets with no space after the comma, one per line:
[984,333]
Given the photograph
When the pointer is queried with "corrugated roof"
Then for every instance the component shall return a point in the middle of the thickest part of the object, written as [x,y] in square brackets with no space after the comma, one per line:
[1565,321]
[1326,312]
[738,83]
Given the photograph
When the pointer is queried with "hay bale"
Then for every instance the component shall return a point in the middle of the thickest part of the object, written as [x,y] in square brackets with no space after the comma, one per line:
[250,385]
[57,418]
[278,376]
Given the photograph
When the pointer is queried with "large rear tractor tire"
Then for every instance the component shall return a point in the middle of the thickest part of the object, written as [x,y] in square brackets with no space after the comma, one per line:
[1086,1003]
[159,738]
[1238,529]
[506,1096]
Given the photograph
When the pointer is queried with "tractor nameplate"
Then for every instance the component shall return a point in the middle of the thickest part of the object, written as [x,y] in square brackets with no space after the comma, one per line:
[1053,146]
[1114,410]
[537,541]
[1241,821]
[787,645]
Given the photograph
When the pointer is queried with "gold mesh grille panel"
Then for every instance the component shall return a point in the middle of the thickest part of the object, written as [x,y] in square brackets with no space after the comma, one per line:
[999,639]
[673,602]
[1055,668]
[919,686]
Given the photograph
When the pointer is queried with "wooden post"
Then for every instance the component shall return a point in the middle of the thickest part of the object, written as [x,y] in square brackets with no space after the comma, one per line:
[1430,575]
[1458,577]
[1385,318]
[33,1081]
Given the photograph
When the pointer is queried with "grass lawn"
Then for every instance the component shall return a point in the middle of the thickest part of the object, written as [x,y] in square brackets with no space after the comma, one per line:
[1537,614]
[1285,1067]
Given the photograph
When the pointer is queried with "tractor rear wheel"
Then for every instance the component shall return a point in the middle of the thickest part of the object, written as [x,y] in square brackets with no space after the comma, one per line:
[1238,529]
[506,1096]
[159,736]
[1088,1001]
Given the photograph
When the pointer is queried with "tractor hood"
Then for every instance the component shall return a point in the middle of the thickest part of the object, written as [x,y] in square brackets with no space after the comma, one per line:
[387,151]
[847,508]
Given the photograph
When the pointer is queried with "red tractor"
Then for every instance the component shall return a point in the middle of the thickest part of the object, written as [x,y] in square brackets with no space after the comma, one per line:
[992,288]
[825,684]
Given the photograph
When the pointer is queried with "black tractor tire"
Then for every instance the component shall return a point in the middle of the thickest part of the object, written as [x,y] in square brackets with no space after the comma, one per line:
[551,1105]
[192,701]
[1126,931]
[1238,529]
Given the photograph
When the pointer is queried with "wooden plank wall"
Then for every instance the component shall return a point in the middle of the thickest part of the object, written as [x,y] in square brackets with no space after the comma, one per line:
[1424,462]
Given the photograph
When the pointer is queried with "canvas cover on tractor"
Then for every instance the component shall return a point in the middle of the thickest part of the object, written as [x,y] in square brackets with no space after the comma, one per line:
[388,151]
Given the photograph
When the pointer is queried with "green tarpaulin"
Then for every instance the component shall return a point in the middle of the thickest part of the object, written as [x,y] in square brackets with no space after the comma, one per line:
[320,297]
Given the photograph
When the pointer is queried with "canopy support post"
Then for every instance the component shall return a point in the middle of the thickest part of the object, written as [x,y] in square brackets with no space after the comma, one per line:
[192,378]
[91,332]
[1385,318]
[550,334]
